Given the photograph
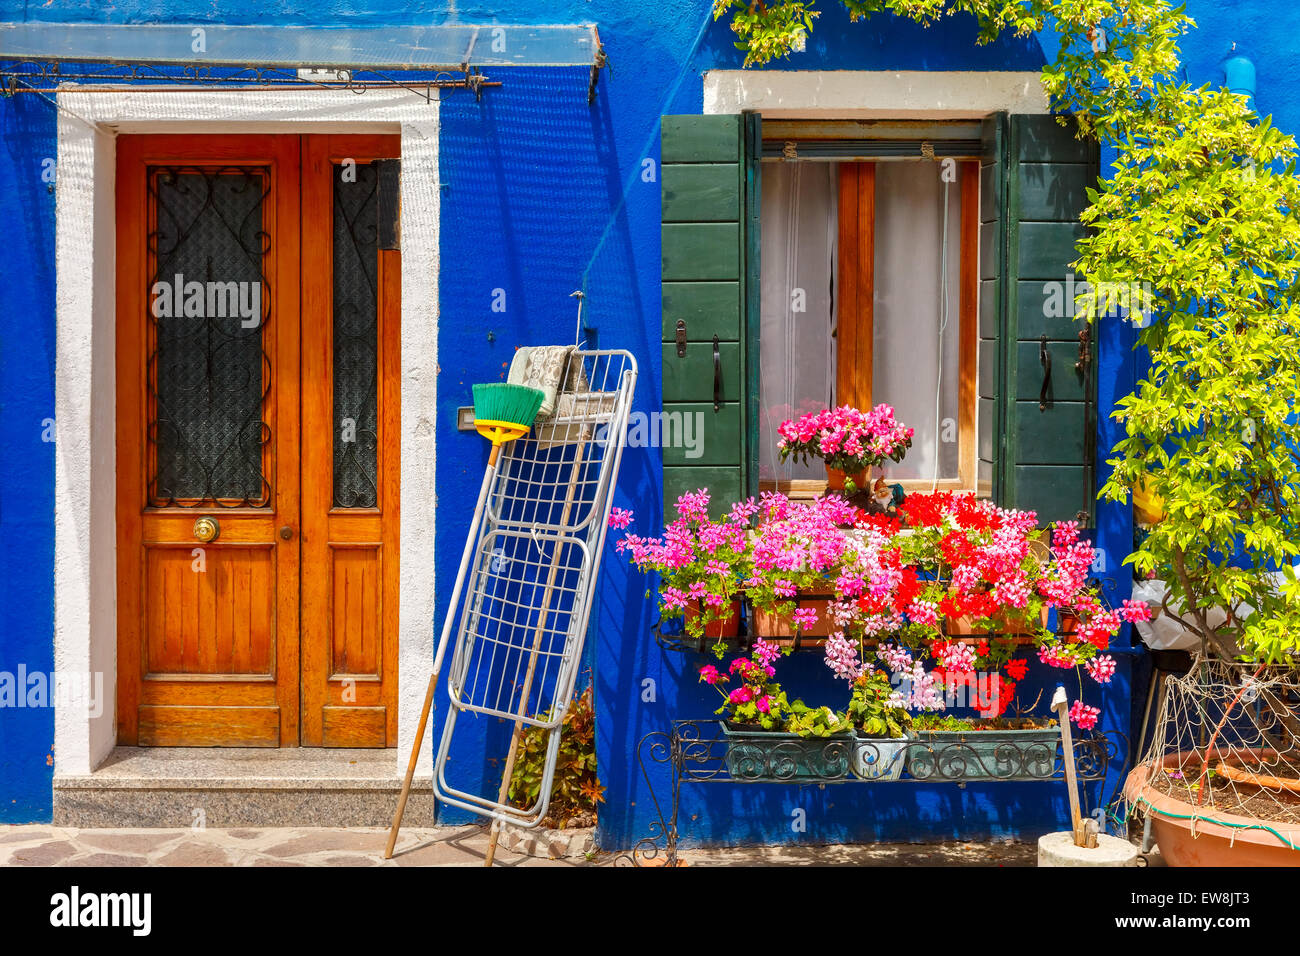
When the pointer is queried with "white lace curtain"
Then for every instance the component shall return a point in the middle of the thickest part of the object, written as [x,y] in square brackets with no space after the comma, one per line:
[915,307]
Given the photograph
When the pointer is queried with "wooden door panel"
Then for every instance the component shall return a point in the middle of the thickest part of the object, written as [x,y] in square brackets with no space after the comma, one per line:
[351,374]
[216,621]
[344,726]
[356,571]
[207,726]
[208,418]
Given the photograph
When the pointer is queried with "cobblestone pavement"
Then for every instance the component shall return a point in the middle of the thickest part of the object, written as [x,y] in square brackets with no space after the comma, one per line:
[250,846]
[445,846]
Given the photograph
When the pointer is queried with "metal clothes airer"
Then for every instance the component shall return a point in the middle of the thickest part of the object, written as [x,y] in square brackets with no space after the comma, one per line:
[519,610]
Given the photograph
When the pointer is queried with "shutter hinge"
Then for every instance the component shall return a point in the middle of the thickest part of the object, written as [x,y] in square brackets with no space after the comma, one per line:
[681,338]
[1085,353]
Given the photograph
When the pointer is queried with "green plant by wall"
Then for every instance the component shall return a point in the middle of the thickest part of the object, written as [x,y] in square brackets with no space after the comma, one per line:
[1194,235]
[575,791]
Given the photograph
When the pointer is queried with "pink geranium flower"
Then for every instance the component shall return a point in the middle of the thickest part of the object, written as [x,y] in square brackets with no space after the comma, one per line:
[1083,715]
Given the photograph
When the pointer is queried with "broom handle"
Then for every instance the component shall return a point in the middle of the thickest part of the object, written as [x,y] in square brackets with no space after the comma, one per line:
[495,833]
[443,641]
[1071,782]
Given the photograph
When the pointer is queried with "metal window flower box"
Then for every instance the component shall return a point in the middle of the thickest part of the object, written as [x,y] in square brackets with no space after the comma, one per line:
[1001,754]
[755,754]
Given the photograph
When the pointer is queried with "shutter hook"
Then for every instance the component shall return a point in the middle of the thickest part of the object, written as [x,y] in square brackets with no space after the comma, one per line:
[1044,359]
[1085,356]
[717,376]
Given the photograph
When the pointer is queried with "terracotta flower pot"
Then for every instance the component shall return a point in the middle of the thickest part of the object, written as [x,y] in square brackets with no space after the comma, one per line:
[835,479]
[770,624]
[727,626]
[965,625]
[1190,835]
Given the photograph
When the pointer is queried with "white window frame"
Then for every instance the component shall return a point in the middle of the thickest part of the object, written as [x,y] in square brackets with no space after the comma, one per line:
[923,95]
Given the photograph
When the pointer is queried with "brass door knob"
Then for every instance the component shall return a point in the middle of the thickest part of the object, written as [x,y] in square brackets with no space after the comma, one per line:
[206,529]
[286,532]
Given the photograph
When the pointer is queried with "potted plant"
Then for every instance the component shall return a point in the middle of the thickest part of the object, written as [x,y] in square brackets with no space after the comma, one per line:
[849,441]
[797,549]
[698,561]
[881,722]
[756,718]
[820,722]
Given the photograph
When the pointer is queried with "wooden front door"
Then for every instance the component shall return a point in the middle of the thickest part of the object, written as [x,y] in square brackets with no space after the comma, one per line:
[257,437]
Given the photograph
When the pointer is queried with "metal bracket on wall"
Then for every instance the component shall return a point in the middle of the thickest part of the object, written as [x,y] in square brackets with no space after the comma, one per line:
[681,338]
[602,60]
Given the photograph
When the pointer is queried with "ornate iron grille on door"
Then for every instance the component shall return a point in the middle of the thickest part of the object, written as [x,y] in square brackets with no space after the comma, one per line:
[356,335]
[209,373]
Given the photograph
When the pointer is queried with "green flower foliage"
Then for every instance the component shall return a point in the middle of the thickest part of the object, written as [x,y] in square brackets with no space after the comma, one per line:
[816,721]
[575,791]
[1199,215]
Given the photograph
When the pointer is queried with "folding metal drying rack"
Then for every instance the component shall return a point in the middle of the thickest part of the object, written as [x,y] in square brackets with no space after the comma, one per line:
[524,592]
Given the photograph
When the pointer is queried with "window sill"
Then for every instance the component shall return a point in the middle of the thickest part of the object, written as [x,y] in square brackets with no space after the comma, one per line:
[808,488]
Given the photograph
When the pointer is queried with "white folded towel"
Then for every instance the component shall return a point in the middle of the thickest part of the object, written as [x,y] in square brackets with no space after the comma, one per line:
[541,367]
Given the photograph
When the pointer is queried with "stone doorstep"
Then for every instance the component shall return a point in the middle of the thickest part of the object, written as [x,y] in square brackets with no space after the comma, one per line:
[184,787]
[577,843]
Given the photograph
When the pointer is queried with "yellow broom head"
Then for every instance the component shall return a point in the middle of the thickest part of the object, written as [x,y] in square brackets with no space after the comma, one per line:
[504,412]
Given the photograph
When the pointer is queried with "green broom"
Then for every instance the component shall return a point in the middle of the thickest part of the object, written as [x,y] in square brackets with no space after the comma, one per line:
[502,413]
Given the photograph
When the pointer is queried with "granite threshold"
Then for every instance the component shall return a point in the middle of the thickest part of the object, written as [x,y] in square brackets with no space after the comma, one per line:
[301,786]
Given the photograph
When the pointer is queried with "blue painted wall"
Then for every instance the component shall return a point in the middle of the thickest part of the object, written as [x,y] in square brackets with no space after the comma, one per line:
[535,182]
[26,459]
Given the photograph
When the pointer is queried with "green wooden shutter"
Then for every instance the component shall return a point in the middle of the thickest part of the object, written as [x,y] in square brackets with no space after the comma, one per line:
[1045,459]
[709,249]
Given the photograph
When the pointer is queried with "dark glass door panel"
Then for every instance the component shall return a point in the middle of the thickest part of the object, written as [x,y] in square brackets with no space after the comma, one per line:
[209,373]
[356,335]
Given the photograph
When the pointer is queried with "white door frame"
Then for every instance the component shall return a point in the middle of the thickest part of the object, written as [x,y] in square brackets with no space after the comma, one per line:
[85,520]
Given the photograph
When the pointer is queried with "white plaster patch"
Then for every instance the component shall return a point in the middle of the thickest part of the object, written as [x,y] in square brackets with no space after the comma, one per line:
[873,94]
[85,571]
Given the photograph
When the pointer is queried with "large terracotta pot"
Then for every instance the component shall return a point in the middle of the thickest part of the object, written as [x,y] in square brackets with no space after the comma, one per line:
[1189,835]
[728,626]
[835,479]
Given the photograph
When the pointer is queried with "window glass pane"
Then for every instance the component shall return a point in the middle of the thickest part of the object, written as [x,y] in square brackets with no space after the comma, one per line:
[209,375]
[916,319]
[797,351]
[356,336]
